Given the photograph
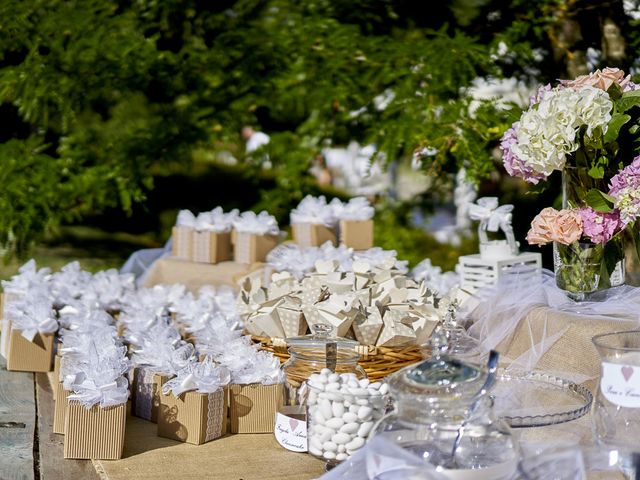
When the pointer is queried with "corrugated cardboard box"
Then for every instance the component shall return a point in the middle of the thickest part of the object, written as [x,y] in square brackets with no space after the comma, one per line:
[250,248]
[211,247]
[60,408]
[252,408]
[357,234]
[312,234]
[194,417]
[95,433]
[145,393]
[182,242]
[26,356]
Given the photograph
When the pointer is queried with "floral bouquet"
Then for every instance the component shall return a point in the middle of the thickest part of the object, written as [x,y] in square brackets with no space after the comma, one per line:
[588,129]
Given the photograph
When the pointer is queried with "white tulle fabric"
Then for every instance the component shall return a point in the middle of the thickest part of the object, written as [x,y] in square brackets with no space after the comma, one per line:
[497,311]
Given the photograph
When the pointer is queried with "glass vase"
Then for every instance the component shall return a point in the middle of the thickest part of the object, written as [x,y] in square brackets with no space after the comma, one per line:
[584,268]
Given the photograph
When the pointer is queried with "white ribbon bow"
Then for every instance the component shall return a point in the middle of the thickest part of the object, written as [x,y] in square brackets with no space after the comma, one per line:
[491,216]
[204,377]
[185,219]
[261,224]
[108,394]
[48,325]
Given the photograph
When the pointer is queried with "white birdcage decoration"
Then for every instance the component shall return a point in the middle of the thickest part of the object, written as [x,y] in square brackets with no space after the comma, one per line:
[497,258]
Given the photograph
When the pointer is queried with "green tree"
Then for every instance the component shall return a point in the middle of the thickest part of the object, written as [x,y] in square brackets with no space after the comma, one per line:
[98,95]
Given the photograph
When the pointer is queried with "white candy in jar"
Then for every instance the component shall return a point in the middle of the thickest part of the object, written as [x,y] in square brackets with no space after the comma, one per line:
[341,413]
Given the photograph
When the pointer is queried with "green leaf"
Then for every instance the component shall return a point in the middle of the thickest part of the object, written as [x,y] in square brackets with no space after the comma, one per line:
[614,91]
[597,171]
[628,100]
[599,201]
[615,124]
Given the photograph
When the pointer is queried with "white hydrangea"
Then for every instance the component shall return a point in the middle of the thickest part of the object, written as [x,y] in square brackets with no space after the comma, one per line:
[628,202]
[547,132]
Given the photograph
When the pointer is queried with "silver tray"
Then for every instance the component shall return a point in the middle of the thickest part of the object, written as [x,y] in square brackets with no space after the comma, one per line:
[536,399]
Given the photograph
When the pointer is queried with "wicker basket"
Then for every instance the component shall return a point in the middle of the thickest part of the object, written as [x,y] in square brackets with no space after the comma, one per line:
[378,362]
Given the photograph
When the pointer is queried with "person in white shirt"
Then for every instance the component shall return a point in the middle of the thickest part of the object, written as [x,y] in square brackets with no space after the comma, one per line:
[254,139]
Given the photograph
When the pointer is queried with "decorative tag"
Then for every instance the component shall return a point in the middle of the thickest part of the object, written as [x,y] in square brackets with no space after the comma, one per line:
[291,428]
[617,276]
[620,384]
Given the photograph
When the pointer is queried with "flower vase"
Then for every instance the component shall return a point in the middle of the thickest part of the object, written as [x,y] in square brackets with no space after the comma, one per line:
[583,268]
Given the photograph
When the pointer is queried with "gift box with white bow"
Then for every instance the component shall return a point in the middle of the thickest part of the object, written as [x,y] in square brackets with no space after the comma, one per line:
[31,335]
[193,405]
[182,235]
[254,236]
[313,222]
[356,223]
[212,236]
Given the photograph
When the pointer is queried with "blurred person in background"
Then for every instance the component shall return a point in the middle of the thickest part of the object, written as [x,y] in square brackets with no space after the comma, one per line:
[320,170]
[254,140]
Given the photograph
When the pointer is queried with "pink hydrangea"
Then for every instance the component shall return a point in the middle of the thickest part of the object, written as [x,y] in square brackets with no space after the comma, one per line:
[625,189]
[627,177]
[539,95]
[515,166]
[600,227]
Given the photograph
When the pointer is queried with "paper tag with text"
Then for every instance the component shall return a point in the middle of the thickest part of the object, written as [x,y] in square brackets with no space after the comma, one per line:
[291,429]
[620,384]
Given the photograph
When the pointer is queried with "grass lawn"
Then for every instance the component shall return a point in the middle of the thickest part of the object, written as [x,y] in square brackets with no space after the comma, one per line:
[93,248]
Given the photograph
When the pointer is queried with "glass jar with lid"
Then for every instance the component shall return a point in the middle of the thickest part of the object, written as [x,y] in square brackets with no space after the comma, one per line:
[311,353]
[443,414]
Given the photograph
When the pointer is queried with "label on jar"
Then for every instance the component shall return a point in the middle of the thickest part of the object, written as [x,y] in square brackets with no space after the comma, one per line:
[620,384]
[617,276]
[291,429]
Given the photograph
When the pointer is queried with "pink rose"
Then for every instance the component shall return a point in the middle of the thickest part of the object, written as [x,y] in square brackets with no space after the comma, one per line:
[602,79]
[568,227]
[564,226]
[542,227]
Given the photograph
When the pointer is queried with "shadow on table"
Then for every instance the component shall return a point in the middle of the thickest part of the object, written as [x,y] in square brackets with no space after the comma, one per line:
[142,436]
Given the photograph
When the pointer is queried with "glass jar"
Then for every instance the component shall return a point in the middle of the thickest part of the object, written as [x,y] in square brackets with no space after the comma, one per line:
[443,414]
[310,354]
[341,411]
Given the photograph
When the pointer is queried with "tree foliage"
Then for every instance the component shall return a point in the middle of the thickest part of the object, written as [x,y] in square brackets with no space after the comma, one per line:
[97,95]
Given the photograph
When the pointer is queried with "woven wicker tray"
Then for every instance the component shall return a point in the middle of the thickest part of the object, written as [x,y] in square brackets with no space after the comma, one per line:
[378,362]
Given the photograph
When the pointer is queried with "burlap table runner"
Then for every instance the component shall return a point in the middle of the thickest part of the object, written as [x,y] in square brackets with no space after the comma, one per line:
[195,275]
[559,342]
[247,457]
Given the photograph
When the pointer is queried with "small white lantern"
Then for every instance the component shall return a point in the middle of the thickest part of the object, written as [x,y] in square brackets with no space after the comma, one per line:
[497,258]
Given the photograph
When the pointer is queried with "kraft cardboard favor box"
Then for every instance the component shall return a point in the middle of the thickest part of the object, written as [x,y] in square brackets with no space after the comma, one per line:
[251,248]
[312,234]
[26,356]
[211,247]
[357,234]
[193,417]
[182,242]
[253,407]
[60,408]
[145,393]
[95,433]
